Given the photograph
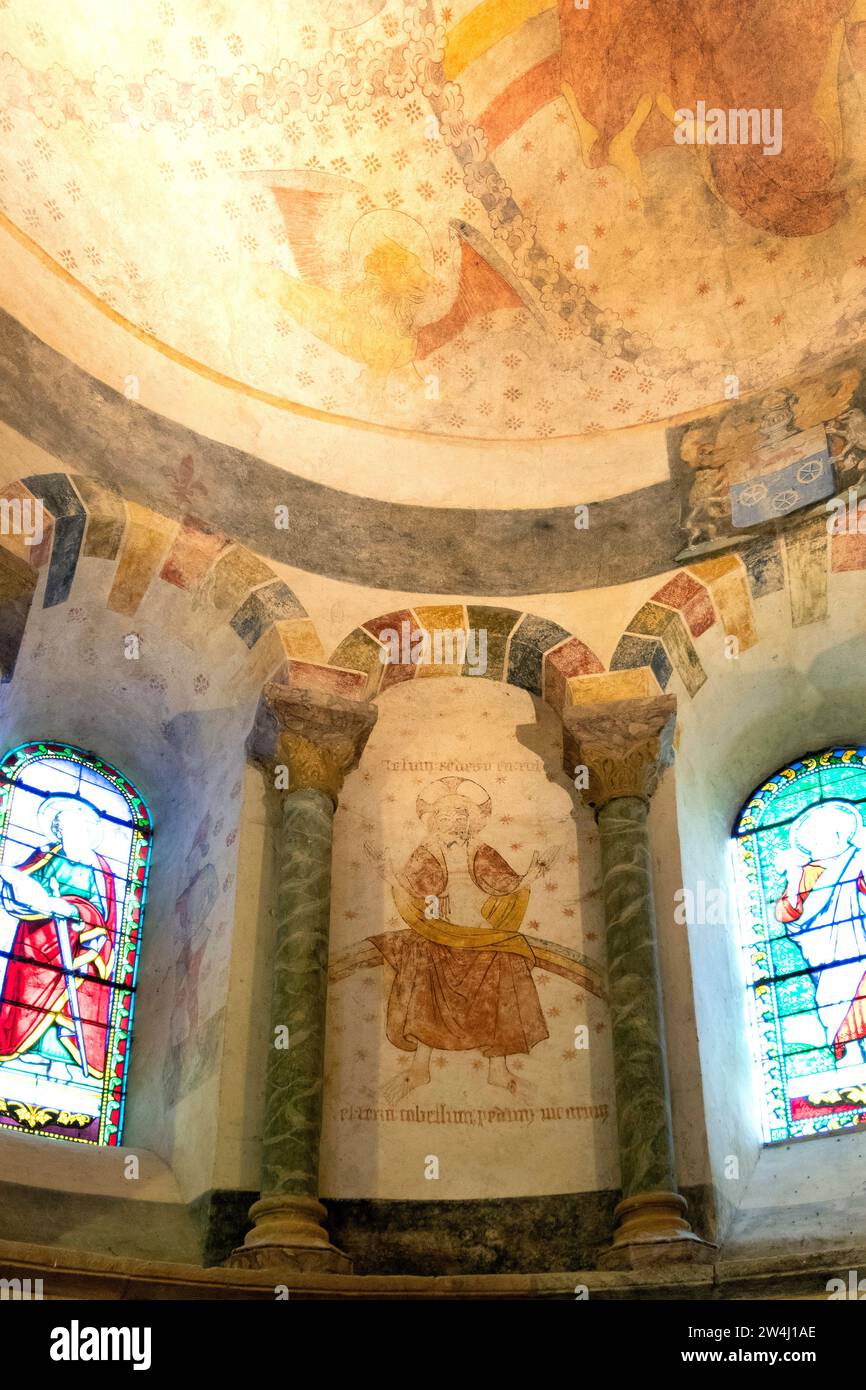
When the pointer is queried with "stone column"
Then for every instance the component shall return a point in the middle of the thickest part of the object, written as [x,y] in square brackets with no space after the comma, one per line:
[308,742]
[624,745]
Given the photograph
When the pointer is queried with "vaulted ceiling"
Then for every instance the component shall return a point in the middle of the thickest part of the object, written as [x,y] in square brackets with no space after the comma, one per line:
[465,219]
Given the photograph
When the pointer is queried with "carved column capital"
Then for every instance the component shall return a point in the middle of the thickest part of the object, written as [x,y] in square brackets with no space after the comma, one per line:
[318,737]
[624,745]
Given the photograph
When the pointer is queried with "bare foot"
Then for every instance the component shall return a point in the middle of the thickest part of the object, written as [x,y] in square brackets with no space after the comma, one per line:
[499,1075]
[514,1086]
[399,1086]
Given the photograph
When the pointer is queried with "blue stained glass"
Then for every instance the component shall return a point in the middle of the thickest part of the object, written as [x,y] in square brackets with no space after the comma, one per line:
[800,847]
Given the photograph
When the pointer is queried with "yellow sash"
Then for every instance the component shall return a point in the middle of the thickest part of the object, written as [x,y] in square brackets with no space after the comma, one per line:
[505,913]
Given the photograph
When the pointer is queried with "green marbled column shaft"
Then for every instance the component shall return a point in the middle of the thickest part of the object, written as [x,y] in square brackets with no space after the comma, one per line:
[642,1098]
[293,1106]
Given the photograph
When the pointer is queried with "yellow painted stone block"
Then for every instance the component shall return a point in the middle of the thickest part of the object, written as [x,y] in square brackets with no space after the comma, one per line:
[300,640]
[145,546]
[441,615]
[611,685]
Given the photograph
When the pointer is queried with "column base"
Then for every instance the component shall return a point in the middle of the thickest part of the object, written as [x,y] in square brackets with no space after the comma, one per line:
[289,1235]
[652,1229]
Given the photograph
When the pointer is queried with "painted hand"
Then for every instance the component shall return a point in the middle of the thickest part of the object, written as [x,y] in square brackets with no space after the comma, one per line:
[380,859]
[540,863]
[28,892]
[59,907]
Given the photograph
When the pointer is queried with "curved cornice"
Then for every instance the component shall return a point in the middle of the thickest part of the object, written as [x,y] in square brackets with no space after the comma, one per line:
[90,428]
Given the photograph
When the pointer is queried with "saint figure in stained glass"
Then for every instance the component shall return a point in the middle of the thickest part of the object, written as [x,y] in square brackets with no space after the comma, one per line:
[63,898]
[800,851]
[823,906]
[74,849]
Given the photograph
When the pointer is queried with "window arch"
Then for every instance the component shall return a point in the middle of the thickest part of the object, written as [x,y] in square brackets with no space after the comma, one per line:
[75,841]
[800,850]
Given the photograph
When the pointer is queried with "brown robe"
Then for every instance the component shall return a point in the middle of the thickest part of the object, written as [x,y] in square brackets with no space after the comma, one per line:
[461,999]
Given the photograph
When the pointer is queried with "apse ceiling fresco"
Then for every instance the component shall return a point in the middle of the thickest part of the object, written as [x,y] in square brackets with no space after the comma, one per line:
[464,219]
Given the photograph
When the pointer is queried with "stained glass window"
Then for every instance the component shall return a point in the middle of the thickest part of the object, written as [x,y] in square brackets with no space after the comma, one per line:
[74,849]
[800,847]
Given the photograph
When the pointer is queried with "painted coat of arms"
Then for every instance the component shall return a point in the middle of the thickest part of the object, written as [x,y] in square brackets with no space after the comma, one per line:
[759,462]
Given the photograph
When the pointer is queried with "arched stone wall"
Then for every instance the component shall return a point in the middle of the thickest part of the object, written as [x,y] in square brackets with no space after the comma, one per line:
[798,687]
[800,571]
[523,650]
[147,641]
[223,582]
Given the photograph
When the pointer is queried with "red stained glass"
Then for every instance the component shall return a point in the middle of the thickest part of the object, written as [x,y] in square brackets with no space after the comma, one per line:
[75,842]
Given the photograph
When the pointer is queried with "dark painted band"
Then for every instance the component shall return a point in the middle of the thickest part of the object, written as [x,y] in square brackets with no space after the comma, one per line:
[94,430]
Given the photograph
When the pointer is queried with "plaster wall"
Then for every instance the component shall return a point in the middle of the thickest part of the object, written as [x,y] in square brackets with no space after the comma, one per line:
[798,691]
[174,720]
[488,1142]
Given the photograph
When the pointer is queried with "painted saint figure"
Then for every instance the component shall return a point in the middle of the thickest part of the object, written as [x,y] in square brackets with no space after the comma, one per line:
[824,909]
[629,67]
[462,972]
[63,896]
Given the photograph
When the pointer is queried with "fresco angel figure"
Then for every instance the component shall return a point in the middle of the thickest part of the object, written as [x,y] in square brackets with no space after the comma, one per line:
[462,971]
[363,282]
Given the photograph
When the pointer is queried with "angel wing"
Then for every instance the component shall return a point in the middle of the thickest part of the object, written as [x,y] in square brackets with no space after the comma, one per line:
[317,210]
[485,282]
[361,279]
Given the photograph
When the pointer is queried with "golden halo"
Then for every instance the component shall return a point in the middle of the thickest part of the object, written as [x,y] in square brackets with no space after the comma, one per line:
[374,228]
[453,786]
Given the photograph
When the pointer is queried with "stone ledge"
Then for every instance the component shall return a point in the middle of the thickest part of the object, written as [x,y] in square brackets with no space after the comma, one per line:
[790,1274]
[71,1274]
